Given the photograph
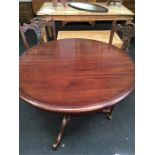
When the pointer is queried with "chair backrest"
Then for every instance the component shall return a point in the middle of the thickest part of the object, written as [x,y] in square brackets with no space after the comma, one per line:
[37,25]
[128,32]
[64,2]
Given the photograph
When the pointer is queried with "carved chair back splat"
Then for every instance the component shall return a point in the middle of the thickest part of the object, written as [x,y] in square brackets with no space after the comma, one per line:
[38,25]
[128,32]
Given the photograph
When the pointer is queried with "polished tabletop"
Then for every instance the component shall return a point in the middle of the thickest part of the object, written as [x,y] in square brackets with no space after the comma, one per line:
[75,75]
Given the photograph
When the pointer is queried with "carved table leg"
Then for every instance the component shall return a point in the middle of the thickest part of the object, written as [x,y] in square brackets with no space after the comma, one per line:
[64,123]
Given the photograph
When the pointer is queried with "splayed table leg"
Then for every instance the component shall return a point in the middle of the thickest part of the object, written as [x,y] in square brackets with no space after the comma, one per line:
[64,123]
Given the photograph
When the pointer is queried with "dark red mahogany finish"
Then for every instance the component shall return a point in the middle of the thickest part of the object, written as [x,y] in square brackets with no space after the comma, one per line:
[75,75]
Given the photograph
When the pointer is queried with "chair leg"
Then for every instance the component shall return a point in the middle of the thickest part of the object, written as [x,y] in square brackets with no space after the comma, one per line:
[92,23]
[63,23]
[44,35]
[110,113]
[49,32]
[64,123]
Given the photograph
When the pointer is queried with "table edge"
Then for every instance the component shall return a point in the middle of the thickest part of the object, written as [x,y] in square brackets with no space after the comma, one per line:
[76,109]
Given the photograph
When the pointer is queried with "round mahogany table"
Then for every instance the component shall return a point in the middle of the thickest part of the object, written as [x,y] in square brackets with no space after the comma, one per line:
[74,76]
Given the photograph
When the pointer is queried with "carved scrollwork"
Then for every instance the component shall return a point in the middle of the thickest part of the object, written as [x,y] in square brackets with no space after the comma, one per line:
[128,33]
[127,30]
[37,25]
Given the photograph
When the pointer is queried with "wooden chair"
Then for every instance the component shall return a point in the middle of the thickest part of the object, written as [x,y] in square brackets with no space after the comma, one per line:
[128,32]
[38,25]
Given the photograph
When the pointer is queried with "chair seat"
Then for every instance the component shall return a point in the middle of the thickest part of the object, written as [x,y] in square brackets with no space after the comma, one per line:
[100,35]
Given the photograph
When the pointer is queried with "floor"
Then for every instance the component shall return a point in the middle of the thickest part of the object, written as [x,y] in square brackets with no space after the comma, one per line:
[91,134]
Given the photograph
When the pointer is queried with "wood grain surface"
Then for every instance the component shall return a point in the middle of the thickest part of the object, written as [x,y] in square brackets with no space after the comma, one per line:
[70,14]
[130,4]
[75,75]
[47,8]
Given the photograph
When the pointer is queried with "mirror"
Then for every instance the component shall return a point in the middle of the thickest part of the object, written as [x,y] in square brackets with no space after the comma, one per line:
[87,7]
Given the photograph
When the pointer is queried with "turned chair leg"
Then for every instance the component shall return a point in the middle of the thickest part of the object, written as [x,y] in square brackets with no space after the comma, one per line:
[64,123]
